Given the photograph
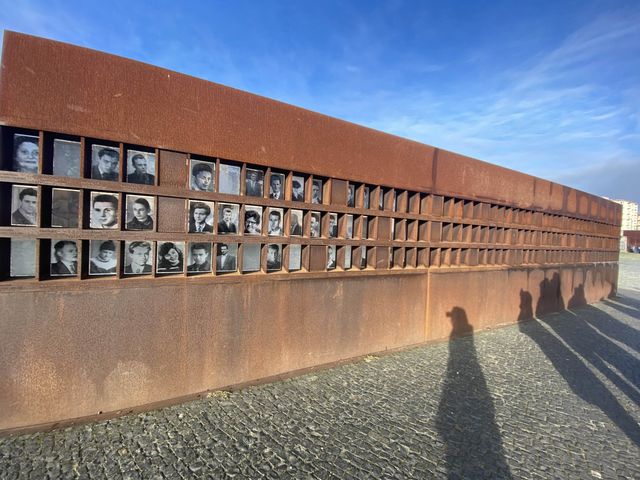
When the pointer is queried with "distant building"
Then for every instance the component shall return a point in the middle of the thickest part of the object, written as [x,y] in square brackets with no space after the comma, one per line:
[629,215]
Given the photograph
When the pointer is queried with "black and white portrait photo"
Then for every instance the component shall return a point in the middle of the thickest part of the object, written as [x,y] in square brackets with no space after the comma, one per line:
[66,158]
[274,257]
[199,260]
[366,197]
[200,216]
[23,258]
[295,223]
[24,205]
[228,218]
[105,163]
[295,257]
[363,259]
[138,258]
[254,183]
[276,219]
[65,204]
[276,186]
[297,188]
[170,257]
[141,167]
[64,258]
[104,210]
[316,191]
[140,212]
[250,257]
[365,227]
[226,257]
[349,226]
[229,179]
[315,224]
[25,153]
[331,257]
[252,220]
[332,227]
[102,257]
[351,195]
[203,175]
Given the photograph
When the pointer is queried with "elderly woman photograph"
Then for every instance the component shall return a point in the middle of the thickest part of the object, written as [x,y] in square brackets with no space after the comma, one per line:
[25,153]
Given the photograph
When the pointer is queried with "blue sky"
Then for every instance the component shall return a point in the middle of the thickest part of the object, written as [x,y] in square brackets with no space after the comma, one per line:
[551,88]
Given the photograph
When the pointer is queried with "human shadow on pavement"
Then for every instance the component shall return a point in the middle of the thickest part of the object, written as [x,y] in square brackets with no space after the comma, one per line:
[466,413]
[577,334]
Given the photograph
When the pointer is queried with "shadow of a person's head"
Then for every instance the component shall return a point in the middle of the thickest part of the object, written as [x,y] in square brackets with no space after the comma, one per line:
[459,323]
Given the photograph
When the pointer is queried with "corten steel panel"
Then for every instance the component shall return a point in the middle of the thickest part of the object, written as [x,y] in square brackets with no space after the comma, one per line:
[338,192]
[172,215]
[76,90]
[122,348]
[172,169]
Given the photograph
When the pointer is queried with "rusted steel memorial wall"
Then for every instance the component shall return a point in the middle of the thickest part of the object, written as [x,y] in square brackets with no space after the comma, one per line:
[162,236]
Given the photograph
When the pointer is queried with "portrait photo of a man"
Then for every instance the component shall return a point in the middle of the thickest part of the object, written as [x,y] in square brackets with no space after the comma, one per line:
[141,167]
[316,191]
[139,214]
[315,224]
[276,186]
[331,257]
[275,222]
[332,228]
[104,210]
[228,218]
[105,163]
[254,183]
[295,223]
[199,260]
[226,257]
[24,205]
[351,196]
[138,258]
[64,258]
[297,191]
[252,220]
[202,175]
[200,216]
[274,257]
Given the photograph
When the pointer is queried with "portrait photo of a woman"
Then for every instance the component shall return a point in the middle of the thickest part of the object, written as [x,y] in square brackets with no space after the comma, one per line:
[25,153]
[170,257]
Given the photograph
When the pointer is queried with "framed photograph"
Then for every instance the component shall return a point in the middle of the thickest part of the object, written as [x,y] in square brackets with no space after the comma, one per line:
[351,195]
[365,227]
[363,258]
[349,229]
[315,224]
[366,197]
[229,179]
[102,257]
[24,205]
[104,210]
[295,257]
[276,217]
[252,220]
[65,204]
[276,186]
[138,258]
[26,149]
[170,257]
[295,223]
[381,200]
[297,190]
[331,257]
[227,257]
[250,257]
[140,212]
[141,167]
[64,258]
[201,216]
[228,218]
[66,158]
[254,183]
[22,263]
[347,257]
[274,257]
[332,228]
[316,191]
[199,258]
[105,163]
[203,175]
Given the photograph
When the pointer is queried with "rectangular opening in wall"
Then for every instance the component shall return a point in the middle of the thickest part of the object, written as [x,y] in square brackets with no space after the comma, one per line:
[251,257]
[398,257]
[22,258]
[434,257]
[411,257]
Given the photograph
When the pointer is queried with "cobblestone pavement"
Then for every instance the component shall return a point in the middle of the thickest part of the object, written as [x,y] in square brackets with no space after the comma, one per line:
[554,398]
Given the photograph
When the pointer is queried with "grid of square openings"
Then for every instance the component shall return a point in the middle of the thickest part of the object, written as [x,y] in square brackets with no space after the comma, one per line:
[96,207]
